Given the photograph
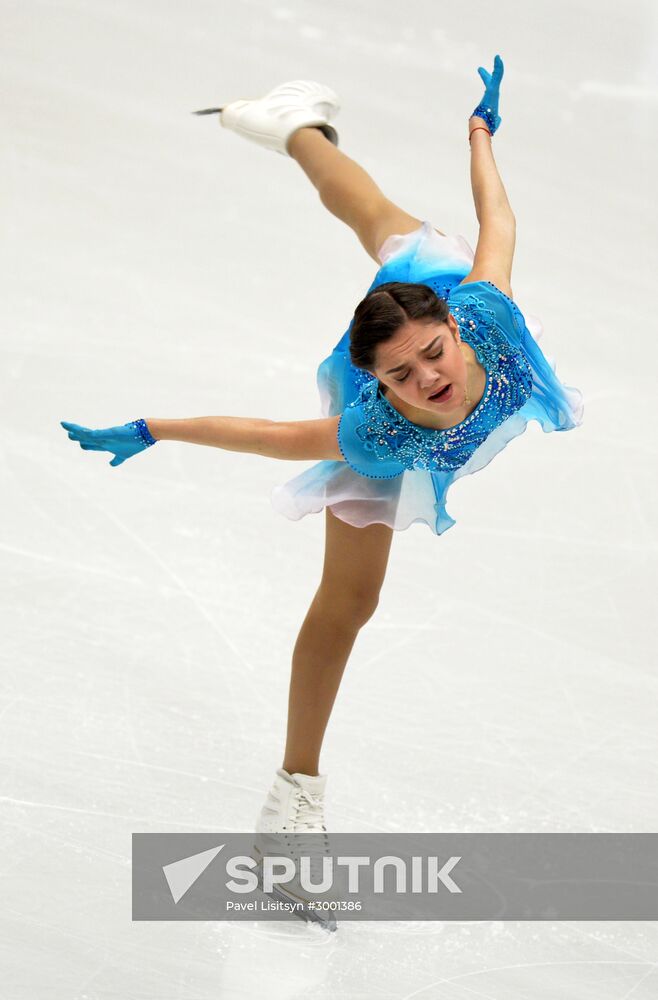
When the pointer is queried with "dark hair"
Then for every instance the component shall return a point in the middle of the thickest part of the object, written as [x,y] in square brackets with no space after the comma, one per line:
[384,310]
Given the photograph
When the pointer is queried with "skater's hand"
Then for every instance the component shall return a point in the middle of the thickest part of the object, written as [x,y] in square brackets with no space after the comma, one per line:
[122,441]
[488,106]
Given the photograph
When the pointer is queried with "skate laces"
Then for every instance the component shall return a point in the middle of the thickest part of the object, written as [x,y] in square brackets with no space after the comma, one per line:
[309,822]
[309,816]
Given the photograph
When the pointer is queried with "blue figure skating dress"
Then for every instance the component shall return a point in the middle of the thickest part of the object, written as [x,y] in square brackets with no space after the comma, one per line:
[397,472]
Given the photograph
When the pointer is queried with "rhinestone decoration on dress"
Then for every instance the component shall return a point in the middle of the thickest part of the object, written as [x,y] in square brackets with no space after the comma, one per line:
[389,435]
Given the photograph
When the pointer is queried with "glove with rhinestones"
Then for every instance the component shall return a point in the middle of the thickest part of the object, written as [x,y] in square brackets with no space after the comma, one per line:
[488,106]
[123,441]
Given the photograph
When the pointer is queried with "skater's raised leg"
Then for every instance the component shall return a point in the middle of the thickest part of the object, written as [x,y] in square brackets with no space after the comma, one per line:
[354,569]
[348,191]
[294,119]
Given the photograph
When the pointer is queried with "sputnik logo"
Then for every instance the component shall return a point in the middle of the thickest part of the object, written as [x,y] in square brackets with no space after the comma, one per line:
[181,875]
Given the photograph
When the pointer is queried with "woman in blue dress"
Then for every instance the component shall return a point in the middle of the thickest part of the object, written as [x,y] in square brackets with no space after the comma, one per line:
[437,371]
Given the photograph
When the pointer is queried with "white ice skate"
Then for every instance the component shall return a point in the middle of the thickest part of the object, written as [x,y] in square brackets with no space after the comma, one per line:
[271,120]
[293,809]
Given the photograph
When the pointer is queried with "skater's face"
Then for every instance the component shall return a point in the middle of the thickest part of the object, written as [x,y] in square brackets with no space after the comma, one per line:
[420,359]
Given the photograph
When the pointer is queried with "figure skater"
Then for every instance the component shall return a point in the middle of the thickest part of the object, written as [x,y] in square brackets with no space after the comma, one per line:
[437,371]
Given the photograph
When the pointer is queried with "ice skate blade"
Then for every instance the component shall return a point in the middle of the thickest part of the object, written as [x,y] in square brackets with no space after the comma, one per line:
[217,111]
[327,923]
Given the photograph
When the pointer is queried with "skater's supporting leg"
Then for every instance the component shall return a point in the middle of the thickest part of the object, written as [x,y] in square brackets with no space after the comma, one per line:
[354,570]
[348,191]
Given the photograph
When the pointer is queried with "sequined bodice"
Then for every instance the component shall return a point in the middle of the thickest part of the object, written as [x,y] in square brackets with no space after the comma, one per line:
[388,435]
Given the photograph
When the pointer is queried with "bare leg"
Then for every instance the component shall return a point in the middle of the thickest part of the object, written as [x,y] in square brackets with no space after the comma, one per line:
[354,569]
[348,191]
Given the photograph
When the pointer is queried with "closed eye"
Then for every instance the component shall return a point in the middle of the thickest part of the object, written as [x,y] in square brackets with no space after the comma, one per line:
[431,357]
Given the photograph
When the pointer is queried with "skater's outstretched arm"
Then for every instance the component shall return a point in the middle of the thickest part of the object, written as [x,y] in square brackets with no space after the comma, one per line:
[497,236]
[292,439]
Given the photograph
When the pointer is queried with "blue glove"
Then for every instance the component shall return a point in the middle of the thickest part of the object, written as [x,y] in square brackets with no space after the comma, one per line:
[488,106]
[123,441]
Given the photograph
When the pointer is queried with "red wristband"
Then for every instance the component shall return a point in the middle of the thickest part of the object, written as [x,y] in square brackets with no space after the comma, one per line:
[475,130]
